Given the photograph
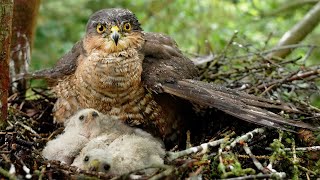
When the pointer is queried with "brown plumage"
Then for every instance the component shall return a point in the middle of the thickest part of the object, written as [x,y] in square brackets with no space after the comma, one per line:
[108,74]
[124,72]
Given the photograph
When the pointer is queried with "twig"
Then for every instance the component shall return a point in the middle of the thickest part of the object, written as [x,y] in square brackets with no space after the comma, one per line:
[5,152]
[24,167]
[246,137]
[222,54]
[313,148]
[197,172]
[163,174]
[41,173]
[276,82]
[289,6]
[234,36]
[132,174]
[306,104]
[255,161]
[308,54]
[295,161]
[5,173]
[5,158]
[264,157]
[257,68]
[203,147]
[20,141]
[307,170]
[203,59]
[293,77]
[275,49]
[71,170]
[28,129]
[55,133]
[299,31]
[277,175]
[273,156]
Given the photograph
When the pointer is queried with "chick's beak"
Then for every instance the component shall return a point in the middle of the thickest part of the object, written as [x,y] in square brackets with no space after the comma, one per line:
[94,165]
[115,35]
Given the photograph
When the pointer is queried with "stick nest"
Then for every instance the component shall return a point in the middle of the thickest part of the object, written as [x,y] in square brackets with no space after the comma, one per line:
[235,150]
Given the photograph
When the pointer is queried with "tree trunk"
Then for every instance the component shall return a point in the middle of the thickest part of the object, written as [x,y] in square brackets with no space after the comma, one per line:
[24,18]
[299,31]
[6,11]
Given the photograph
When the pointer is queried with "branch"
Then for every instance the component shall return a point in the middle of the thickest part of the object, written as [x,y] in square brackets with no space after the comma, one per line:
[299,31]
[254,159]
[291,6]
[202,147]
[277,175]
[246,137]
[293,77]
[313,148]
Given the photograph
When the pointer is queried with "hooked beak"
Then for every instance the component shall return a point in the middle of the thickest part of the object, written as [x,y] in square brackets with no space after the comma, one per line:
[115,35]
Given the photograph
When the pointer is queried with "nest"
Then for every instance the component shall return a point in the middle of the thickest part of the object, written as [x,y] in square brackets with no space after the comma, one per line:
[224,148]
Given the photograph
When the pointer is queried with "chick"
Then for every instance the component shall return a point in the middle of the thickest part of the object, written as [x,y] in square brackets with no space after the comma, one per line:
[80,128]
[126,153]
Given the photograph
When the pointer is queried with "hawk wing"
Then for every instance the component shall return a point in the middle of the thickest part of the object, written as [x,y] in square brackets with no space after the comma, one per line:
[66,65]
[172,73]
[164,62]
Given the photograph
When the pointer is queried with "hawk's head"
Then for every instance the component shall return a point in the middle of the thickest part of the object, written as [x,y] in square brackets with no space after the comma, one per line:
[113,30]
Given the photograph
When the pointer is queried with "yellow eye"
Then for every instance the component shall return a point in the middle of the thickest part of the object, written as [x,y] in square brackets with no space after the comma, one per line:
[127,27]
[101,28]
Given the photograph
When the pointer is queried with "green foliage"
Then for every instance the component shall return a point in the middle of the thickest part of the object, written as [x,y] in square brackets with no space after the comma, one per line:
[191,23]
[197,26]
[228,167]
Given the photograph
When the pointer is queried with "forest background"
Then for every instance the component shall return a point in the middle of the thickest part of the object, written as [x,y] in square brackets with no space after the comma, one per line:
[195,25]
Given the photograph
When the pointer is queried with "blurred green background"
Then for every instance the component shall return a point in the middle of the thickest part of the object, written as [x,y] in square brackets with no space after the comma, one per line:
[194,24]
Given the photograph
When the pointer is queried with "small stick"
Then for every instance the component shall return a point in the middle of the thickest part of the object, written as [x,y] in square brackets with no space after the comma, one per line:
[246,137]
[312,148]
[277,175]
[255,161]
[28,129]
[203,148]
[7,174]
[307,170]
[293,77]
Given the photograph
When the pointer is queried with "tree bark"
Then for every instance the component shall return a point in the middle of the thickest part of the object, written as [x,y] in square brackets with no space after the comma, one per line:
[298,32]
[24,19]
[6,11]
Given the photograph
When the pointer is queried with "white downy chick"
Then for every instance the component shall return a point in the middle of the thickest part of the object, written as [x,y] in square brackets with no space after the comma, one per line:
[126,153]
[81,127]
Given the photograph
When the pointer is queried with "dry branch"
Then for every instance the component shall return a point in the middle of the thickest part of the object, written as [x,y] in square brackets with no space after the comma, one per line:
[299,31]
[203,147]
[290,6]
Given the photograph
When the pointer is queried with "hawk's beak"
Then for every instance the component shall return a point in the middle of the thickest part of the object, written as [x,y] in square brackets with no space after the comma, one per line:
[115,35]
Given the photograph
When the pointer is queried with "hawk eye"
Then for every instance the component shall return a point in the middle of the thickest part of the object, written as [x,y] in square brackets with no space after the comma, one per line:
[101,28]
[127,27]
[81,117]
[86,159]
